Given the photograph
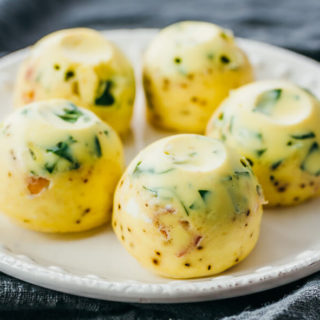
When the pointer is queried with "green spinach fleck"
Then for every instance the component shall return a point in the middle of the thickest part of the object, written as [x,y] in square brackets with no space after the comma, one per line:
[239,201]
[71,113]
[276,164]
[138,170]
[250,162]
[50,166]
[62,150]
[106,98]
[260,152]
[184,207]
[68,75]
[241,173]
[231,124]
[259,190]
[204,194]
[312,157]
[226,178]
[307,135]
[33,155]
[97,146]
[243,162]
[194,206]
[267,101]
[224,59]
[153,191]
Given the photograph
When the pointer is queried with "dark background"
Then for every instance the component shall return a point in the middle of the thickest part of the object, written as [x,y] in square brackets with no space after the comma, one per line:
[289,23]
[294,24]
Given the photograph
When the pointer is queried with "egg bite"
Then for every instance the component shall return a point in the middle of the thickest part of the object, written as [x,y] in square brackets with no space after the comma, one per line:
[59,167]
[82,66]
[188,206]
[275,125]
[188,69]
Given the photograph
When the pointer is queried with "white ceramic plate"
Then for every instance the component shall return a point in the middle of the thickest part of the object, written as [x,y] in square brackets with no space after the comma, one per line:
[94,264]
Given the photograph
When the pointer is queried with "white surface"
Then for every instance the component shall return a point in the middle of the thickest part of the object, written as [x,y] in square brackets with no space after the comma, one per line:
[94,264]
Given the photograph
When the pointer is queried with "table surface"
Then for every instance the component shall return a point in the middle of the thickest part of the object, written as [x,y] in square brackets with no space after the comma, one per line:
[292,24]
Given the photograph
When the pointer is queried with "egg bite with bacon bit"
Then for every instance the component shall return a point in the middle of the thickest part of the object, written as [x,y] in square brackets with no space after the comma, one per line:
[59,167]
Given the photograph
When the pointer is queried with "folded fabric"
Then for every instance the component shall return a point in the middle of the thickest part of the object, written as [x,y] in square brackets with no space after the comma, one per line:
[298,300]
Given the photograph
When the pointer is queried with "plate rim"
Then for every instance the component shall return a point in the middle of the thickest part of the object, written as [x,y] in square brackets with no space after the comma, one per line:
[176,291]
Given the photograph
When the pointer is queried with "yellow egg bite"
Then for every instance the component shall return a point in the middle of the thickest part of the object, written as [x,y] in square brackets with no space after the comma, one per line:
[187,206]
[82,66]
[59,167]
[188,69]
[275,125]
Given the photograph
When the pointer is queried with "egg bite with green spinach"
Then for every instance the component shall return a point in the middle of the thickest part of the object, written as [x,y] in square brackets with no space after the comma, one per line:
[275,125]
[59,167]
[82,66]
[188,206]
[188,69]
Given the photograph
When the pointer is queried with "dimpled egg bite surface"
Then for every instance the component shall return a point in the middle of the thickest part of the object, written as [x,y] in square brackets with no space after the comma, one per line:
[59,166]
[187,206]
[276,126]
[189,68]
[82,66]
